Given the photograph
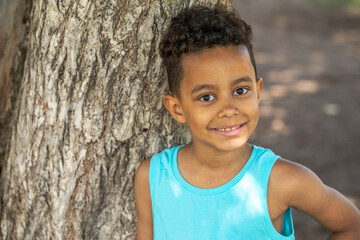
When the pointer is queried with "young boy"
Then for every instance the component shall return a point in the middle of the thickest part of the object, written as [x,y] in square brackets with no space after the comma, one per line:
[219,186]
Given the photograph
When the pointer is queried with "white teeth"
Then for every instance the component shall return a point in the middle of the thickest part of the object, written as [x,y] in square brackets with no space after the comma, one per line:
[228,129]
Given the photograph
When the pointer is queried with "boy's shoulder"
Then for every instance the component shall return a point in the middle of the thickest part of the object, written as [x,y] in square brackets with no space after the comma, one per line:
[144,166]
[287,173]
[292,183]
[143,169]
[142,173]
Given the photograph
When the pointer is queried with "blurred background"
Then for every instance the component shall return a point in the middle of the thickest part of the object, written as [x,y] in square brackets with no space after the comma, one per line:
[308,53]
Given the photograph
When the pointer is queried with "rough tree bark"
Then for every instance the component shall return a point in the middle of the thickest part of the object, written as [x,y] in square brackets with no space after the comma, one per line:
[89,109]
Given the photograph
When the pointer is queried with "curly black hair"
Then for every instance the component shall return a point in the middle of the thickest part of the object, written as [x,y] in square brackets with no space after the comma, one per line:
[200,28]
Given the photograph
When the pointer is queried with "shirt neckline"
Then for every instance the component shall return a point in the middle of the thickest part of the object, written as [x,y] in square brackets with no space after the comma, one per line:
[211,191]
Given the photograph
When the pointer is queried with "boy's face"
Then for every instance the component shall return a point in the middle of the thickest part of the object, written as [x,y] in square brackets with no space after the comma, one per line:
[219,97]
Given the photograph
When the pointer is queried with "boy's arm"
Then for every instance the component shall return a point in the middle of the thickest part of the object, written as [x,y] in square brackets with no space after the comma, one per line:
[305,191]
[143,202]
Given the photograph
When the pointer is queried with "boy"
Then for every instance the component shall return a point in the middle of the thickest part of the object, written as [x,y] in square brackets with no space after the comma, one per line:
[219,186]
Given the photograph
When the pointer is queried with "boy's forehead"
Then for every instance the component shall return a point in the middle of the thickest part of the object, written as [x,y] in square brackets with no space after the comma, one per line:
[215,58]
[218,51]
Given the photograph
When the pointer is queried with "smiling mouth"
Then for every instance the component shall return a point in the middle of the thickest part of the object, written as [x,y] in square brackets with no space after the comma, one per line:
[228,129]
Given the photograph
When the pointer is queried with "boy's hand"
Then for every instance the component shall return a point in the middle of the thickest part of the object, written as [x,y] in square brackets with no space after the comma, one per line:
[304,191]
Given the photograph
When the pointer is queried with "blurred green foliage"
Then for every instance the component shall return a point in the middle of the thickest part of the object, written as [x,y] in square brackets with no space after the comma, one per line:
[350,5]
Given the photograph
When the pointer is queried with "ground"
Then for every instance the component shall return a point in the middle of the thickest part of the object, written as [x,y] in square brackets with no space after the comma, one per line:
[309,57]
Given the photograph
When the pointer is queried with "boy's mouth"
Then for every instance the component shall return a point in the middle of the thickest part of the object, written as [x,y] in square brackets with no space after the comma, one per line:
[229,130]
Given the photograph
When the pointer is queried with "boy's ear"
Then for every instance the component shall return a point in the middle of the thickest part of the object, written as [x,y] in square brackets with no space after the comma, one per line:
[173,105]
[259,86]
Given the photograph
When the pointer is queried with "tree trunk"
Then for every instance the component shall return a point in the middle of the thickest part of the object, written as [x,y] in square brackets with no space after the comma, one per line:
[88,111]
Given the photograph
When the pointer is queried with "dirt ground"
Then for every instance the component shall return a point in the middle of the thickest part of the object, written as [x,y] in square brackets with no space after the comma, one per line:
[309,57]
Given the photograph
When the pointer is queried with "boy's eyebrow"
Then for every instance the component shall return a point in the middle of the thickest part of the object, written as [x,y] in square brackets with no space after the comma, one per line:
[207,86]
[242,79]
[201,87]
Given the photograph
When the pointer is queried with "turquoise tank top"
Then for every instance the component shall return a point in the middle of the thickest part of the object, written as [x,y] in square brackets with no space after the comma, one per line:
[235,210]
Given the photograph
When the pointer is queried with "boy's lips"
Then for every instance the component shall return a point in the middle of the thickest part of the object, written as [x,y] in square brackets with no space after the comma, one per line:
[229,131]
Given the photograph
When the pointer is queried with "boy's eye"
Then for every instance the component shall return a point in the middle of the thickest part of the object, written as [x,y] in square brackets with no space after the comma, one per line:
[240,91]
[207,98]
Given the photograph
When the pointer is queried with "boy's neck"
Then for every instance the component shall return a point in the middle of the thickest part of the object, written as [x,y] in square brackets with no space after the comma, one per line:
[205,167]
[215,159]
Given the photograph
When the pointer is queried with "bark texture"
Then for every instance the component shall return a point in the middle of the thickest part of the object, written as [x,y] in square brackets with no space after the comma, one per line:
[89,110]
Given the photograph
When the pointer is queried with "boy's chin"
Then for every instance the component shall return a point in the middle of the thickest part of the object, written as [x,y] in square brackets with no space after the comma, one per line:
[228,146]
[231,148]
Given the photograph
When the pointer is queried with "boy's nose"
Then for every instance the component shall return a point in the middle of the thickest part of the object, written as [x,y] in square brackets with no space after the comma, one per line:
[228,110]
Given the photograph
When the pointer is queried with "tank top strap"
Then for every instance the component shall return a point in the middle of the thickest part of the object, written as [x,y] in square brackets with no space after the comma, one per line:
[262,168]
[160,165]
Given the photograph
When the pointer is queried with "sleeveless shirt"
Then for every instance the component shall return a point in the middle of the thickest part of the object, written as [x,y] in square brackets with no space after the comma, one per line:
[235,210]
